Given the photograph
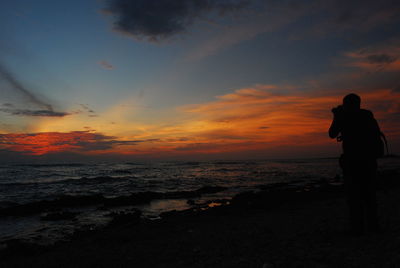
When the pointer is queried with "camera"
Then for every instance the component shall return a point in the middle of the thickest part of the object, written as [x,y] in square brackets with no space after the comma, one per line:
[338,110]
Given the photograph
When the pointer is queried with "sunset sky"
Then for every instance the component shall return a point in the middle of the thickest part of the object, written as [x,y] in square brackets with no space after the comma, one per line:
[192,79]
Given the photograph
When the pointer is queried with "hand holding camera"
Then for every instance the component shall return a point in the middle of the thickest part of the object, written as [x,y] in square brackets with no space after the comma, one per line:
[338,111]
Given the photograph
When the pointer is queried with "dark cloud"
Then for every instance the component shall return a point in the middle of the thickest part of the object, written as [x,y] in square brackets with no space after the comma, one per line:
[356,10]
[161,19]
[177,139]
[106,65]
[359,15]
[197,146]
[380,59]
[8,105]
[88,110]
[26,112]
[101,142]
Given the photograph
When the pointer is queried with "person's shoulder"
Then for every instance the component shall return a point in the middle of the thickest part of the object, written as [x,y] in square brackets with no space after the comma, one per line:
[366,113]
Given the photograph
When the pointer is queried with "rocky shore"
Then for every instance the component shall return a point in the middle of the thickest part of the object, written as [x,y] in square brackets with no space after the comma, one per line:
[277,226]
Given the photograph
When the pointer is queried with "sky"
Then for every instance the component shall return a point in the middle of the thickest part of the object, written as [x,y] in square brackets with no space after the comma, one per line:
[192,79]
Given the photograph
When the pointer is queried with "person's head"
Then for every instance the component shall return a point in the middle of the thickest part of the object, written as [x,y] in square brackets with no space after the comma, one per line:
[351,102]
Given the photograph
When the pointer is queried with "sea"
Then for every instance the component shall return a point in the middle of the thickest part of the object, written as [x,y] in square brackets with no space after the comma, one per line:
[31,194]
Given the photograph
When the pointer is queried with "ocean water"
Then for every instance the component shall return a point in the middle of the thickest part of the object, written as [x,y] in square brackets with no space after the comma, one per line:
[29,184]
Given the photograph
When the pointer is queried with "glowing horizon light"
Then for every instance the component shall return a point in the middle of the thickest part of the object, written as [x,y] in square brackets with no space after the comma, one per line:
[245,120]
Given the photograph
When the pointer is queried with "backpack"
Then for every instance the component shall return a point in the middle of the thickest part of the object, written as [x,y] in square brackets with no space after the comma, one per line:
[378,147]
[363,136]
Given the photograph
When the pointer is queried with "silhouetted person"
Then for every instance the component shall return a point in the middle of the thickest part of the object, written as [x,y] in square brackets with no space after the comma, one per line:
[360,133]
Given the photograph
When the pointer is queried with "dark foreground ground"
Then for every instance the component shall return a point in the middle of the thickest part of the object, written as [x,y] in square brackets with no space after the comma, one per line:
[269,229]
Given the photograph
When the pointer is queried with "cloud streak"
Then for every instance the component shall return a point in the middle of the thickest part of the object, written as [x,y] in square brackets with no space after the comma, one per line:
[383,57]
[26,112]
[46,109]
[17,86]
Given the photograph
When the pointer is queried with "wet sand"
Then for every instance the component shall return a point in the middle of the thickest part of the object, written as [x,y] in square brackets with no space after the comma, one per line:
[273,228]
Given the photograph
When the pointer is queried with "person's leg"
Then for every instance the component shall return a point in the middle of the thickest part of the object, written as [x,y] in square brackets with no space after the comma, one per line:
[369,196]
[355,203]
[371,212]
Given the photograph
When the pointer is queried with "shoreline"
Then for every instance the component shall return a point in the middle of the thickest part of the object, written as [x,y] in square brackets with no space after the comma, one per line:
[69,210]
[281,228]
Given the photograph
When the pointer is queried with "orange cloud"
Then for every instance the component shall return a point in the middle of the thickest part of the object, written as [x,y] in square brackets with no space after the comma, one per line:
[249,119]
[382,57]
[54,142]
[255,118]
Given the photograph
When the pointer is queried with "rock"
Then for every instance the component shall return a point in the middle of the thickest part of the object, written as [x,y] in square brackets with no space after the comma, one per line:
[191,202]
[60,215]
[268,265]
[125,217]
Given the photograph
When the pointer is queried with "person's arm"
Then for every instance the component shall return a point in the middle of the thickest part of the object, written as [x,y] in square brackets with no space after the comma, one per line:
[336,126]
[375,124]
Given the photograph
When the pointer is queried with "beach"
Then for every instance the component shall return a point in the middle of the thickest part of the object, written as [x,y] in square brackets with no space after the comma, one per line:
[274,227]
